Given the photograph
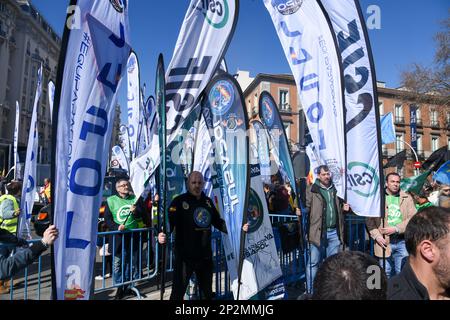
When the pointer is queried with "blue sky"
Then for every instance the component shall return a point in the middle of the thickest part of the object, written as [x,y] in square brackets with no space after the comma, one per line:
[405,36]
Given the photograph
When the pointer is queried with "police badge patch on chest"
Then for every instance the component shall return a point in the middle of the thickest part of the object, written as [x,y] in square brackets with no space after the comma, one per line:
[202,217]
[185,205]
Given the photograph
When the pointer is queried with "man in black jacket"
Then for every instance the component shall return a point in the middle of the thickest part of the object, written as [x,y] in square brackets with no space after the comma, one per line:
[10,265]
[191,216]
[426,275]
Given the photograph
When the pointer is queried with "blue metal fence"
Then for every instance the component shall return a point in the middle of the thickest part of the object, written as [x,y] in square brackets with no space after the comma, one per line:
[35,281]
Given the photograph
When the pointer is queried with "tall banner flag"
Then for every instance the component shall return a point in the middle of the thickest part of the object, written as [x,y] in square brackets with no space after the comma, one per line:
[270,117]
[225,114]
[16,142]
[51,97]
[133,102]
[387,128]
[202,42]
[310,50]
[413,125]
[124,140]
[363,134]
[261,265]
[92,63]
[203,155]
[119,156]
[262,151]
[160,92]
[29,185]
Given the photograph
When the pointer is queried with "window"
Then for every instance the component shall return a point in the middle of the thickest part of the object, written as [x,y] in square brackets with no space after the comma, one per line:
[448,118]
[398,109]
[434,118]
[381,107]
[399,144]
[283,99]
[434,143]
[419,143]
[448,143]
[418,116]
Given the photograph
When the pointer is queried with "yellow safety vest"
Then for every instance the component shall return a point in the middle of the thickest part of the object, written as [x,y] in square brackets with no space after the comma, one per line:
[9,225]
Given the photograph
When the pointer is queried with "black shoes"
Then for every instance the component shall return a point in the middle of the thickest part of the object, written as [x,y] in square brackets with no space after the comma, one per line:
[120,294]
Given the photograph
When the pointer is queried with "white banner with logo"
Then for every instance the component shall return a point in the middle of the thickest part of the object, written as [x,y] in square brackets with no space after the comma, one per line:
[16,142]
[203,39]
[143,167]
[310,50]
[363,128]
[29,181]
[95,60]
[314,161]
[119,156]
[51,97]
[133,103]
[124,141]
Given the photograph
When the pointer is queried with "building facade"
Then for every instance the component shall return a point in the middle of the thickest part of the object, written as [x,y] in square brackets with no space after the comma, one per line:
[433,120]
[284,91]
[26,41]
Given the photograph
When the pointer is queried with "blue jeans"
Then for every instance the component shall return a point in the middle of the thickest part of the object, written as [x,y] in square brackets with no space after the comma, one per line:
[124,258]
[316,255]
[398,257]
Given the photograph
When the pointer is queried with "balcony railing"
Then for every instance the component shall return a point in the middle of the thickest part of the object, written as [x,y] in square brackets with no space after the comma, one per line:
[284,107]
[399,120]
[434,123]
[419,122]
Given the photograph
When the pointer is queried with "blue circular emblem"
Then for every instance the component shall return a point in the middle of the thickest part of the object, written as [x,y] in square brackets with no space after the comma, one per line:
[202,218]
[221,97]
[118,5]
[287,7]
[255,212]
[267,111]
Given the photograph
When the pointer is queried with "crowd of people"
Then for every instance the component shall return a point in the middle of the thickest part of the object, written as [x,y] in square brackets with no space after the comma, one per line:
[411,256]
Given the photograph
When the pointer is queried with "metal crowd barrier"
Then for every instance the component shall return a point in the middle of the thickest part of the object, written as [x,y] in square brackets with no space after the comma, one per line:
[35,281]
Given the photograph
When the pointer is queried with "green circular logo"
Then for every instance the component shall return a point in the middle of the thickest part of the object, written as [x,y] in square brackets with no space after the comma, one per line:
[216,12]
[362,179]
[255,212]
[123,213]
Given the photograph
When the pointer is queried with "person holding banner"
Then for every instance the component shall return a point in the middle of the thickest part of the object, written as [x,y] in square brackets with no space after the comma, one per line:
[121,214]
[326,221]
[10,265]
[191,216]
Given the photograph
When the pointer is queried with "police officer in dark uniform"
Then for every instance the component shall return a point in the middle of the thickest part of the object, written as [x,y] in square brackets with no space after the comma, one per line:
[191,216]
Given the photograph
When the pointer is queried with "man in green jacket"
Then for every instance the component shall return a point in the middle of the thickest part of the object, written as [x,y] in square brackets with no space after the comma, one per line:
[326,221]
[121,215]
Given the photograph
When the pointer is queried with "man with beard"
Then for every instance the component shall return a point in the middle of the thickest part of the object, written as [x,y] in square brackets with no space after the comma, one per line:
[426,274]
[389,234]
